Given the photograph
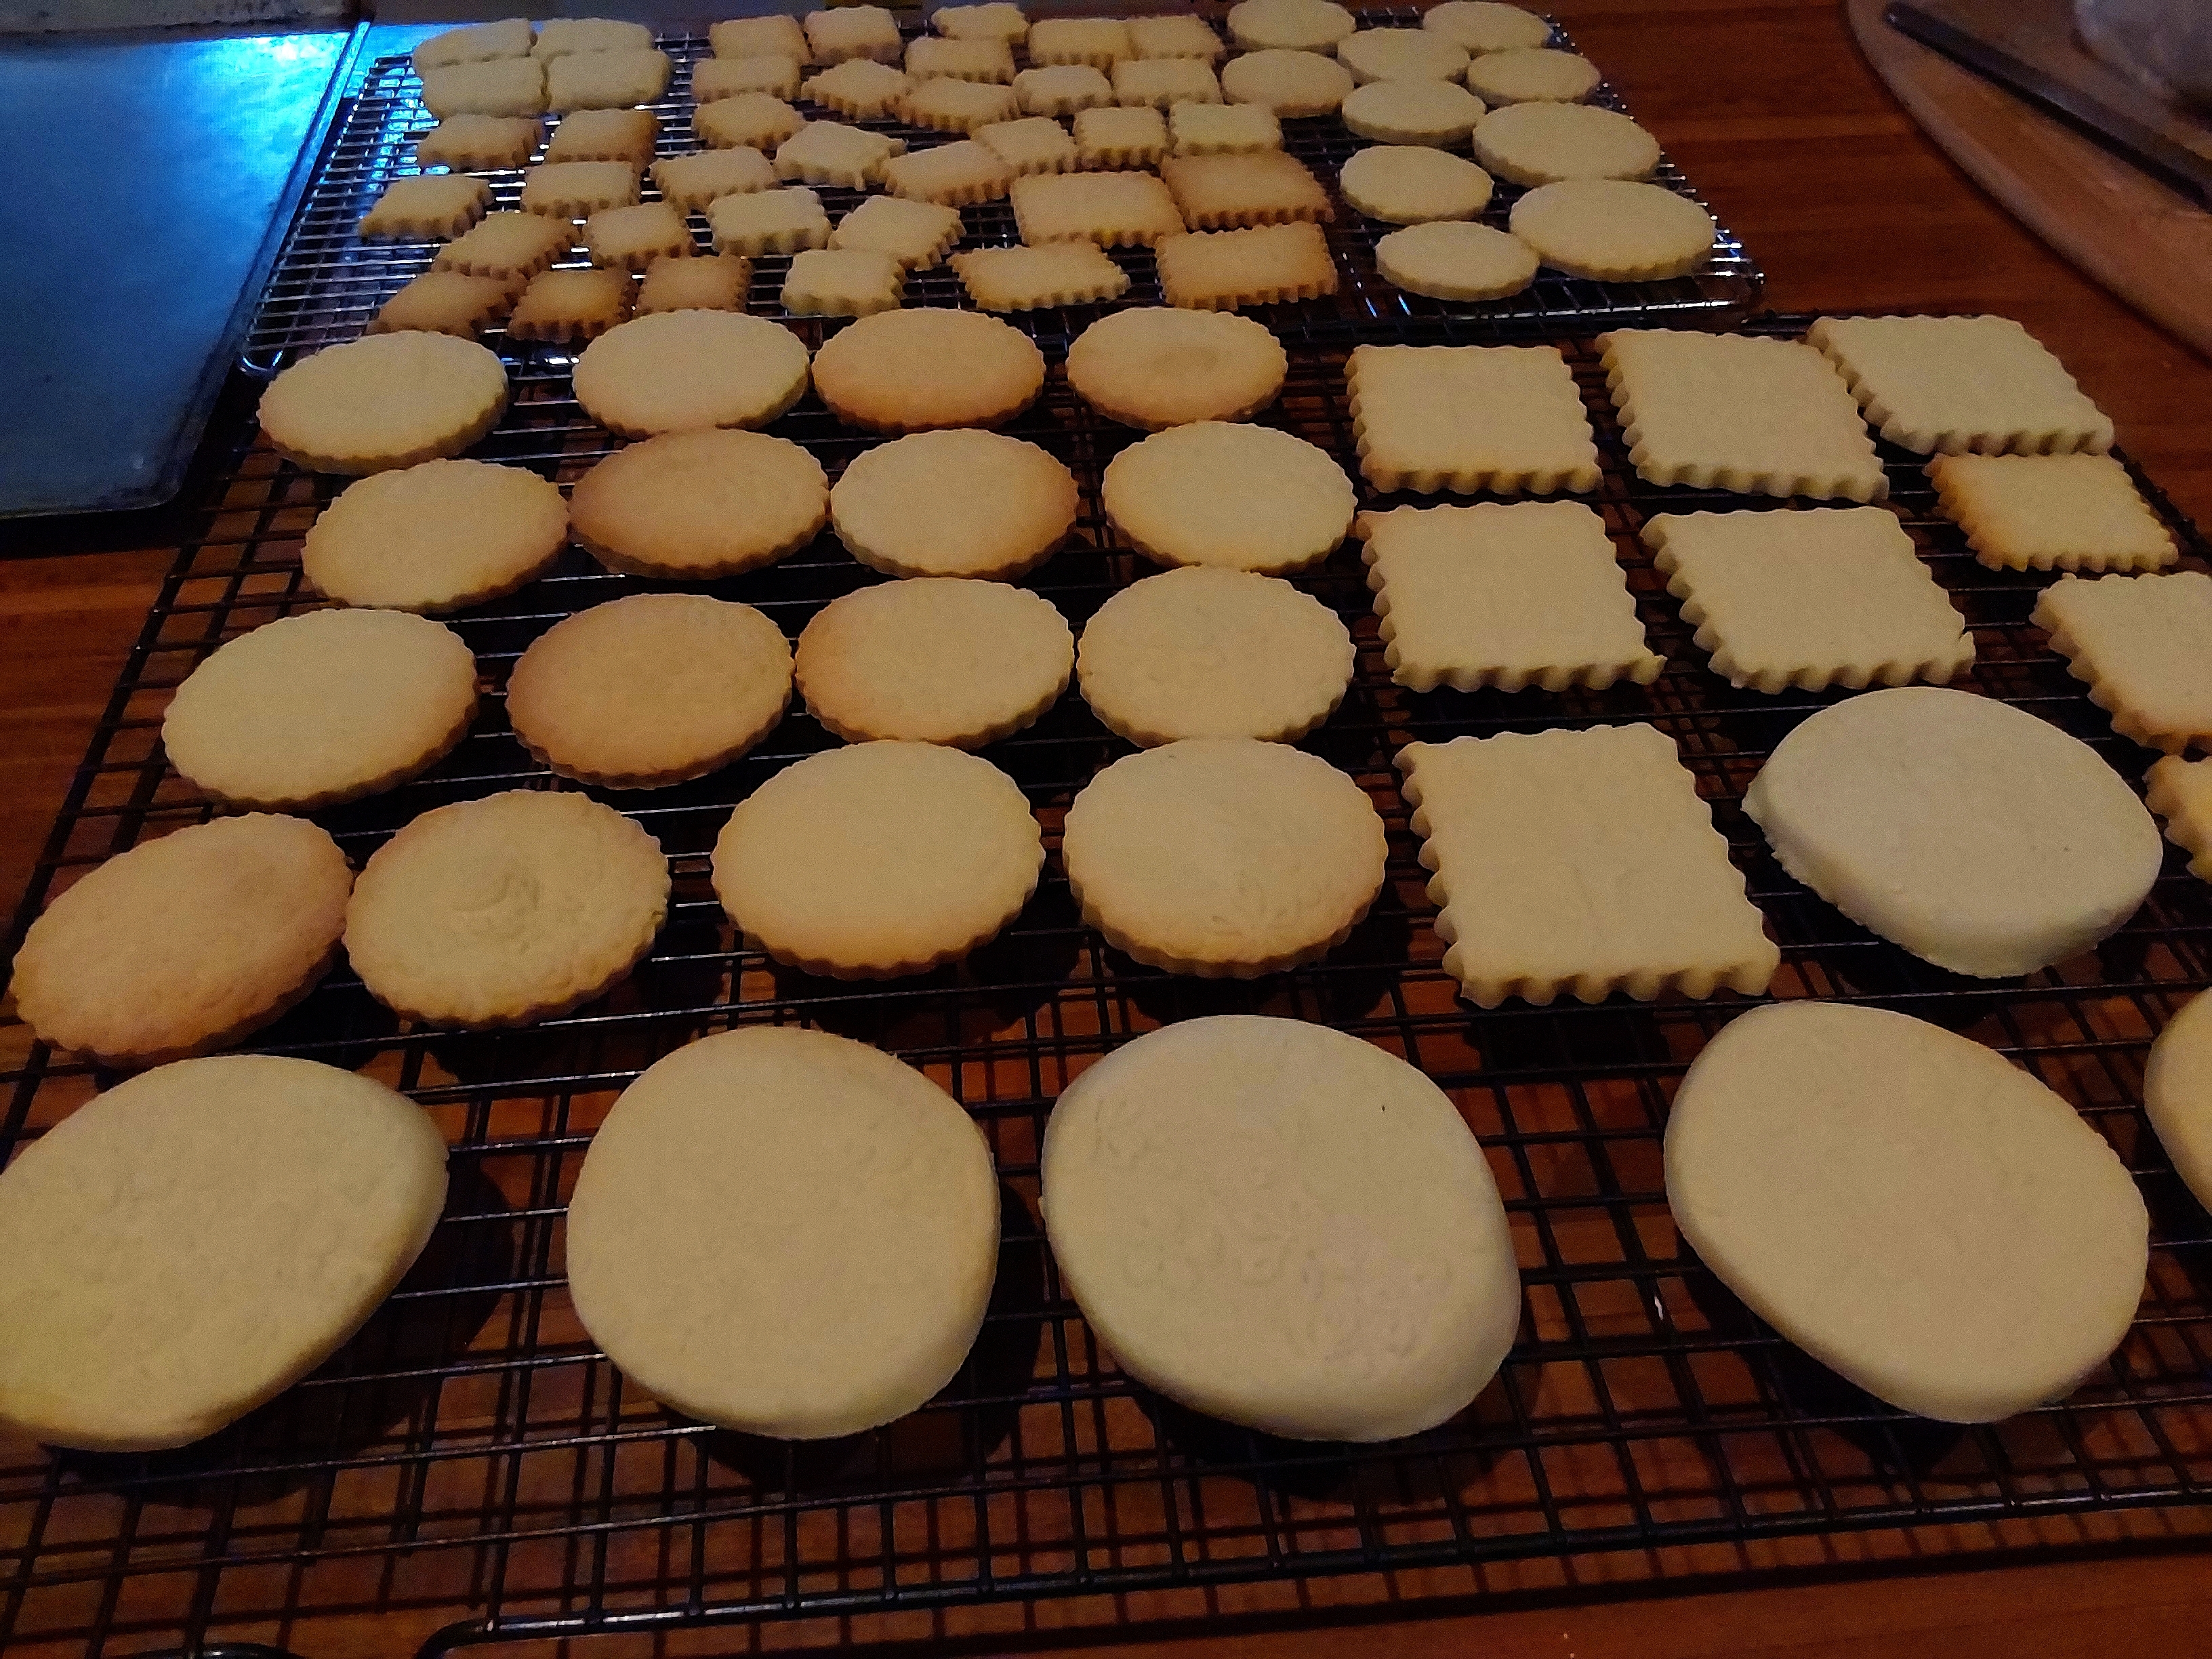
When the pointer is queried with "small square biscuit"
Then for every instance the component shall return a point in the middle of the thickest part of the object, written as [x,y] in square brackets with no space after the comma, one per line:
[1732,411]
[995,20]
[852,32]
[1174,37]
[571,305]
[829,152]
[725,77]
[693,181]
[1268,264]
[605,134]
[632,238]
[429,207]
[1036,143]
[1220,192]
[1101,42]
[1113,209]
[1953,385]
[1026,278]
[1224,129]
[957,105]
[511,37]
[750,120]
[446,302]
[1116,138]
[507,244]
[847,282]
[918,234]
[605,80]
[1062,90]
[2144,645]
[1505,419]
[961,60]
[2052,512]
[2180,791]
[479,143]
[860,88]
[500,85]
[760,37]
[561,36]
[1833,596]
[717,281]
[768,222]
[952,175]
[1160,83]
[577,190]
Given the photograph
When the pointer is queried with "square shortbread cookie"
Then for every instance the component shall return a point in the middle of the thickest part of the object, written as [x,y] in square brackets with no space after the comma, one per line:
[1161,83]
[1101,42]
[1958,384]
[605,80]
[1729,412]
[2180,791]
[751,120]
[446,302]
[693,181]
[961,60]
[830,153]
[501,85]
[860,88]
[482,143]
[768,222]
[1268,264]
[563,36]
[427,207]
[508,245]
[1062,90]
[1224,129]
[1581,861]
[725,77]
[577,190]
[509,38]
[605,134]
[632,238]
[1115,138]
[1506,419]
[2052,512]
[956,106]
[1833,596]
[1025,278]
[1115,209]
[571,305]
[1224,192]
[1509,596]
[951,175]
[917,234]
[1036,143]
[2144,645]
[993,20]
[850,282]
[852,32]
[1174,37]
[716,282]
[760,37]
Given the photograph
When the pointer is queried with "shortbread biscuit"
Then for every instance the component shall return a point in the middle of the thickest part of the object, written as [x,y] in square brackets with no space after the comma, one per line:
[1288,83]
[852,32]
[518,245]
[879,860]
[2180,791]
[757,36]
[1225,858]
[750,120]
[1505,419]
[1062,89]
[606,79]
[951,106]
[500,86]
[732,1145]
[1912,1209]
[478,144]
[428,207]
[721,680]
[563,37]
[1531,74]
[446,302]
[768,222]
[571,305]
[717,283]
[1726,411]
[1028,278]
[691,505]
[960,502]
[1509,596]
[605,134]
[632,238]
[436,537]
[961,60]
[2074,512]
[1484,25]
[1221,493]
[776,74]
[1163,83]
[860,88]
[1224,129]
[1221,192]
[1201,653]
[1414,183]
[505,910]
[847,282]
[1538,143]
[1158,366]
[1416,112]
[511,37]
[186,943]
[918,234]
[2144,645]
[1101,42]
[577,190]
[695,183]
[909,371]
[936,659]
[1113,209]
[1454,259]
[1966,830]
[828,153]
[1176,36]
[384,401]
[1835,596]
[320,707]
[305,1192]
[950,175]
[1613,230]
[681,370]
[1953,385]
[1268,264]
[1035,143]
[1388,54]
[1112,139]
[1289,25]
[993,20]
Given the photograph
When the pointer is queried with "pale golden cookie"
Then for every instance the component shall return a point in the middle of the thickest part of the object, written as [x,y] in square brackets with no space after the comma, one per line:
[1537,143]
[571,305]
[478,144]
[860,88]
[1101,42]
[1612,230]
[2180,791]
[774,74]
[510,37]
[1454,260]
[577,190]
[1952,385]
[695,505]
[1174,36]
[993,20]
[961,502]
[429,207]
[1291,25]
[2144,645]
[1224,129]
[500,86]
[1531,74]
[1268,264]
[1412,183]
[1163,83]
[384,401]
[436,538]
[1030,278]
[716,282]
[632,238]
[846,282]
[680,370]
[751,120]
[1288,83]
[961,60]
[446,302]
[1158,366]
[1401,55]
[909,371]
[1115,138]
[1113,209]
[694,183]
[758,37]
[605,134]
[1221,192]
[768,222]
[606,79]
[1063,89]
[852,32]
[918,234]
[950,175]
[829,152]
[957,105]
[1243,496]
[1505,419]
[563,37]
[507,244]
[1483,26]
[1420,112]
[1036,143]
[2052,512]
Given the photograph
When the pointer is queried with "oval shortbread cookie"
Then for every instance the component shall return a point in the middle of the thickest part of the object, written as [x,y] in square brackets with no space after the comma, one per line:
[1418,111]
[1908,1207]
[1531,74]
[1221,493]
[1289,25]
[305,1192]
[909,371]
[1412,183]
[1160,366]
[1218,1192]
[1537,143]
[1484,25]
[1222,857]
[505,910]
[1199,652]
[1286,82]
[186,943]
[2177,1093]
[436,538]
[879,860]
[324,707]
[937,660]
[699,504]
[784,1232]
[1613,230]
[1966,830]
[959,502]
[650,690]
[1453,259]
[677,371]
[1389,54]
[383,401]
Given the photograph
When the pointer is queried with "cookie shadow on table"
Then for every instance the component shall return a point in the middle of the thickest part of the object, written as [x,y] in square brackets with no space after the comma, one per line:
[1347,984]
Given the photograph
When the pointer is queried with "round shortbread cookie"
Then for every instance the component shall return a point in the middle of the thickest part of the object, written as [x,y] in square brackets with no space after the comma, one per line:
[1220,1191]
[1911,1209]
[195,1240]
[1483,26]
[1401,55]
[1231,494]
[383,401]
[1454,260]
[505,910]
[1966,830]
[2177,1093]
[784,1232]
[1412,184]
[692,505]
[1539,144]
[1200,653]
[879,860]
[436,538]
[324,707]
[1289,25]
[959,502]
[937,660]
[186,943]
[1532,75]
[1161,366]
[1285,81]
[1417,112]
[1227,858]
[1613,230]
[676,371]
[650,690]
[910,371]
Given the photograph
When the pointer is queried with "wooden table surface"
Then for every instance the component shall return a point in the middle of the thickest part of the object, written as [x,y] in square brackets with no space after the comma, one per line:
[1771,110]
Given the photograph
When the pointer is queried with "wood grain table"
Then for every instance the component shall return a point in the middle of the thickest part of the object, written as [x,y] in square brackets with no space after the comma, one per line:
[1774,114]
